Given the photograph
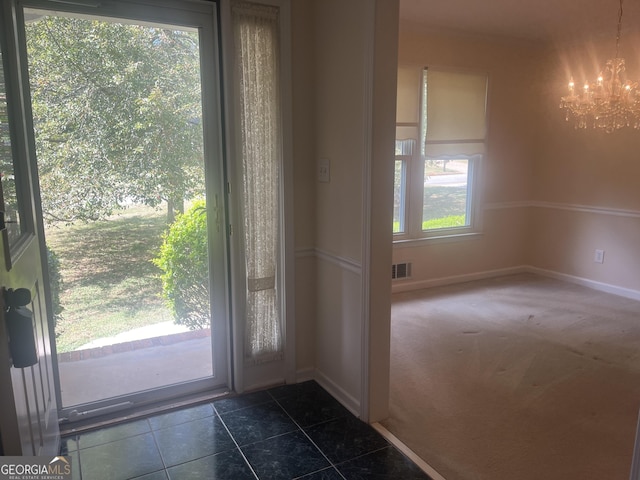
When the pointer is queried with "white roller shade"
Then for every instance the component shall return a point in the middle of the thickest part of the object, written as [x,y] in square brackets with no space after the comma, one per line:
[456,113]
[408,98]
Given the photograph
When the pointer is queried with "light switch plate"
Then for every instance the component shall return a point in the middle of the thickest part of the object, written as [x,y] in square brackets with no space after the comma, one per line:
[324,170]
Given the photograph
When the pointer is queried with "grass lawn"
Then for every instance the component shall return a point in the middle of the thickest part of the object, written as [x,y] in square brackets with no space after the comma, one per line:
[444,207]
[442,202]
[110,285]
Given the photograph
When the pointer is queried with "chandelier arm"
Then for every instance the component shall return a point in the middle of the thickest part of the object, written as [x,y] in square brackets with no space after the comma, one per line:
[620,11]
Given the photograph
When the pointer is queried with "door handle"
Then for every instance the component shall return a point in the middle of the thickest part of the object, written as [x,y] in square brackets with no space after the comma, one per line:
[22,342]
[16,298]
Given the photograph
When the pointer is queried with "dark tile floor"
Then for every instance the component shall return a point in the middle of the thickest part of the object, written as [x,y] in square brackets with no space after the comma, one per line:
[293,431]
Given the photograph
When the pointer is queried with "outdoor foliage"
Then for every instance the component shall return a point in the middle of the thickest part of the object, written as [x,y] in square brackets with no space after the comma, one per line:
[55,283]
[183,260]
[444,222]
[117,287]
[117,114]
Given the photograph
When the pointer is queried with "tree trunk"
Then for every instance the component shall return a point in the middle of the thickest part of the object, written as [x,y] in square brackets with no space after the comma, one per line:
[174,206]
[171,216]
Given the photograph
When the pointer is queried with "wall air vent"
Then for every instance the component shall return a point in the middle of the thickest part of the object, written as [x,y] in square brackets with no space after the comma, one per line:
[400,270]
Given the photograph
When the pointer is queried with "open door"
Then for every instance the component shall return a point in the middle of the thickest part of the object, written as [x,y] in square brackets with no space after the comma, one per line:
[125,113]
[28,408]
[139,35]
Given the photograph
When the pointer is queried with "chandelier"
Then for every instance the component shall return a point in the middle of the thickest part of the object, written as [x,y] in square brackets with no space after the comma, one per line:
[609,103]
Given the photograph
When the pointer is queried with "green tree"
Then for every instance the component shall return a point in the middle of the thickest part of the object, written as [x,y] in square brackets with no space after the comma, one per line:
[117,114]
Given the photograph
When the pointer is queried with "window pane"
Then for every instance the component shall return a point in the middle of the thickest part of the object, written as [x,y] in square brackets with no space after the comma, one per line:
[446,194]
[399,190]
[7,176]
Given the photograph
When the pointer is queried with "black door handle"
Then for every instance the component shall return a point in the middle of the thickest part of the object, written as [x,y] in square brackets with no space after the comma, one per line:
[22,342]
[16,298]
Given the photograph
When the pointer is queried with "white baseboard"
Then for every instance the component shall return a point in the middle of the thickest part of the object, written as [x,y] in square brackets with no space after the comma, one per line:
[349,402]
[407,286]
[585,282]
[396,442]
[305,374]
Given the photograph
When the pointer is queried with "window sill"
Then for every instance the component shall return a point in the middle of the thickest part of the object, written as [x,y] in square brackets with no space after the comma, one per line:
[449,238]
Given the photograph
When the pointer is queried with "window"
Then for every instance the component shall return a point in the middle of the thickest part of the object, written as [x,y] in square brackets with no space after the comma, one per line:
[440,142]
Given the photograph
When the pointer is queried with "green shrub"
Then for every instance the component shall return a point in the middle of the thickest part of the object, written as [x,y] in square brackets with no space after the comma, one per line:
[183,259]
[55,283]
[444,222]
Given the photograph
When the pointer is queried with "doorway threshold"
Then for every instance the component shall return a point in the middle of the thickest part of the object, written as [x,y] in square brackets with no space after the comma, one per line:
[142,411]
[113,383]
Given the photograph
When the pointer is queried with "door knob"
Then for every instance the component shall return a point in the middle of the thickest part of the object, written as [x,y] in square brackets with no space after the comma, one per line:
[16,298]
[22,342]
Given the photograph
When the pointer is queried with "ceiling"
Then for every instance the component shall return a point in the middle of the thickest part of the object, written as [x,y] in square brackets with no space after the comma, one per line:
[539,20]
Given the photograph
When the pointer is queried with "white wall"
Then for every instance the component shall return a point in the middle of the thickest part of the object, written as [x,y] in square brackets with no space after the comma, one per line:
[380,214]
[303,81]
[340,116]
[344,99]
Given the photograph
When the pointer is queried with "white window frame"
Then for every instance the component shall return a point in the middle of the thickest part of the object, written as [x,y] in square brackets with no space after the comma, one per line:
[413,195]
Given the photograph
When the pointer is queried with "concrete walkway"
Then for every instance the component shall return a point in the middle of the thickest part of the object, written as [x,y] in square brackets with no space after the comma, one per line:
[111,370]
[150,331]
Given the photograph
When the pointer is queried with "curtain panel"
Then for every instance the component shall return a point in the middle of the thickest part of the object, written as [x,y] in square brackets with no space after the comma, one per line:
[256,46]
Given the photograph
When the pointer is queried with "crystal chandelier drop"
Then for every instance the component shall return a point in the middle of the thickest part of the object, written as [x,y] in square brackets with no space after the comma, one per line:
[611,102]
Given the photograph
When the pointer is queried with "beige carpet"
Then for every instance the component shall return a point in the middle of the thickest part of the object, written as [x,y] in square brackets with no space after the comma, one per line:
[516,378]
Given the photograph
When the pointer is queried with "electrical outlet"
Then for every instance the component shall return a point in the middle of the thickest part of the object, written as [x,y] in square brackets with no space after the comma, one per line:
[324,170]
[598,256]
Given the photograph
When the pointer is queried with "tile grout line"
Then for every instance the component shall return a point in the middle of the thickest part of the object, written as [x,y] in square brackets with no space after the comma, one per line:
[308,437]
[380,430]
[215,410]
[155,442]
[391,444]
[214,414]
[79,458]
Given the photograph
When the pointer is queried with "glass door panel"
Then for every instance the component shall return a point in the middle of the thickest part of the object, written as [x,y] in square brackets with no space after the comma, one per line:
[127,140]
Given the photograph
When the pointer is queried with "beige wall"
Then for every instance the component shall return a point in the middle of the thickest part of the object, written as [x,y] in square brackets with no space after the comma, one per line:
[586,183]
[506,170]
[551,195]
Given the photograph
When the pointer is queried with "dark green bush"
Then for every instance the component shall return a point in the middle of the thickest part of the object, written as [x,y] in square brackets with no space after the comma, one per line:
[183,260]
[55,283]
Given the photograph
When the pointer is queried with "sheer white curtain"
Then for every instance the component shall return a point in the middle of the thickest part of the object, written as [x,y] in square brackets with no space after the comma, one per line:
[256,30]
